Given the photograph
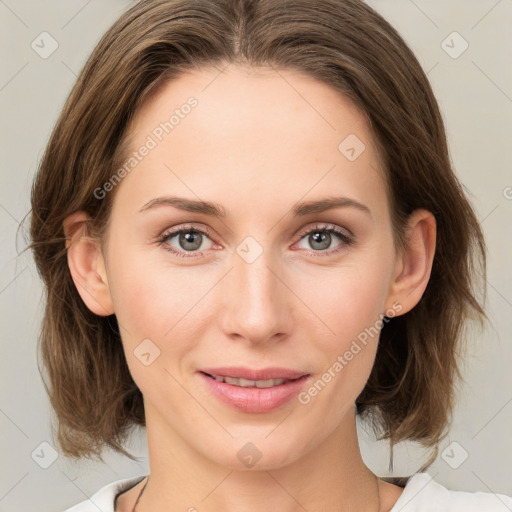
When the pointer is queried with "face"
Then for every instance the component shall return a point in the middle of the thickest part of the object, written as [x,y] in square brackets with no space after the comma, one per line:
[272,282]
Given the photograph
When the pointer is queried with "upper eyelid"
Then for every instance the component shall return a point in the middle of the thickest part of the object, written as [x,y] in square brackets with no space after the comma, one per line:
[326,226]
[186,227]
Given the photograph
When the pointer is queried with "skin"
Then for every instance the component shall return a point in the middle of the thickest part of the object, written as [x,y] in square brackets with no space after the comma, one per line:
[258,142]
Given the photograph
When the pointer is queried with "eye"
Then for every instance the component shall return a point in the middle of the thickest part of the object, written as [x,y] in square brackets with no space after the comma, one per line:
[321,238]
[186,240]
[192,240]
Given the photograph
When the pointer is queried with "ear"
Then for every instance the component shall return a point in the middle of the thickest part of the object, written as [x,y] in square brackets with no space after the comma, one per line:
[414,263]
[87,265]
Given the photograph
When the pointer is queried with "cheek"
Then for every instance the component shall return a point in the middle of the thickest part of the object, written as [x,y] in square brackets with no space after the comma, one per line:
[149,308]
[143,303]
[149,295]
[350,303]
[149,302]
[350,299]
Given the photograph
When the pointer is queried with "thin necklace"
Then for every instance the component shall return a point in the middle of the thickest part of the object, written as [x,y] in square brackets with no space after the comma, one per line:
[140,494]
[142,491]
[378,494]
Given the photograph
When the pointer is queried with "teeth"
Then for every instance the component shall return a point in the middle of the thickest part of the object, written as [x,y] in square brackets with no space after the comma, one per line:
[245,383]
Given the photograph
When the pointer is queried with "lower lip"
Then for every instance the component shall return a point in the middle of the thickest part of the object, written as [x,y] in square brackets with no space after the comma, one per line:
[254,400]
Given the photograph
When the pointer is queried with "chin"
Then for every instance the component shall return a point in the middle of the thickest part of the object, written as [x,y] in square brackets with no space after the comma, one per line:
[257,452]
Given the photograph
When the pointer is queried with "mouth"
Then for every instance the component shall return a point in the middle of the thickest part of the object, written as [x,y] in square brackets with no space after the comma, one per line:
[248,383]
[253,391]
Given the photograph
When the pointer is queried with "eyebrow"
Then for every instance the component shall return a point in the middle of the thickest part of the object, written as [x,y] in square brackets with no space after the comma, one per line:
[216,210]
[189,205]
[328,204]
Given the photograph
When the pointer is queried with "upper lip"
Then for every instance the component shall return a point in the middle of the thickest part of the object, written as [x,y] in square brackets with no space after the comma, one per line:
[242,372]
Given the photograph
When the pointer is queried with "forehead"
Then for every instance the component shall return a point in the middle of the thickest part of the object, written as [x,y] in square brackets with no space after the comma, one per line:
[236,100]
[277,130]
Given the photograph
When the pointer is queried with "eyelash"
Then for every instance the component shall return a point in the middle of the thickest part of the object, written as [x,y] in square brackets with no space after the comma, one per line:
[344,237]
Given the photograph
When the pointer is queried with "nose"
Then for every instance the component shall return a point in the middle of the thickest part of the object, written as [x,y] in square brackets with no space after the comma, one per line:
[256,304]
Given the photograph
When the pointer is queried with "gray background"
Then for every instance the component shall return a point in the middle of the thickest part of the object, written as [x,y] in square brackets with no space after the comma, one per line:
[474,91]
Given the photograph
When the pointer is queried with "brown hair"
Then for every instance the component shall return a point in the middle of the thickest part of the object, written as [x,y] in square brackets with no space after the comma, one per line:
[346,45]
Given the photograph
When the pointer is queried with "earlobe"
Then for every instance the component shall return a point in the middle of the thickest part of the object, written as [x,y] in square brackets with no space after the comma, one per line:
[87,265]
[414,263]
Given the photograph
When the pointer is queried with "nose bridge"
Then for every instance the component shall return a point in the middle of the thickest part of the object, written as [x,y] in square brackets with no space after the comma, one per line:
[258,301]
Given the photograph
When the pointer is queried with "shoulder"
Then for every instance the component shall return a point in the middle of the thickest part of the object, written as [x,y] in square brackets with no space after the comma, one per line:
[423,494]
[103,500]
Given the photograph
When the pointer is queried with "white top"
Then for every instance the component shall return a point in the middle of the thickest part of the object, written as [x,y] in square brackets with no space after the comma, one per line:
[421,494]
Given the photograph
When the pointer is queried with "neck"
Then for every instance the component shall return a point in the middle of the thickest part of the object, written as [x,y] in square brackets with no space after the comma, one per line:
[330,476]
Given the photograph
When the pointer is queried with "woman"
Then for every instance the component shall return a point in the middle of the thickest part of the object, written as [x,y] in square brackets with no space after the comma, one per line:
[250,232]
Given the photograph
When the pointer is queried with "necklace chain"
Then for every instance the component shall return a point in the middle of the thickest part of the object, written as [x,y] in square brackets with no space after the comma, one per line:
[140,494]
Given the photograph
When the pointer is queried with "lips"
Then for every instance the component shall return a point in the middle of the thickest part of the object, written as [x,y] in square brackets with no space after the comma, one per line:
[258,394]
